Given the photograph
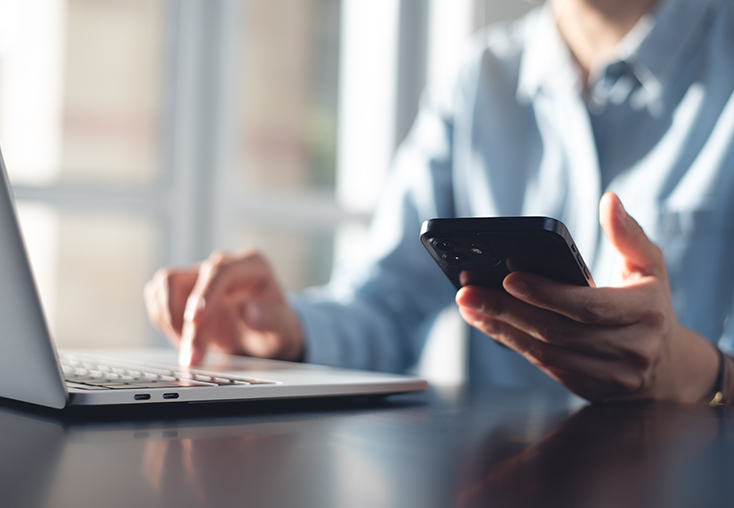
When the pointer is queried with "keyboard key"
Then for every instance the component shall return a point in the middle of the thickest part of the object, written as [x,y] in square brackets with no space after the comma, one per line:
[191,382]
[160,372]
[81,386]
[153,384]
[87,373]
[260,382]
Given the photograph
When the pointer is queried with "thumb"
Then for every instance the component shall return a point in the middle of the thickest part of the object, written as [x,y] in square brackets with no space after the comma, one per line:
[639,253]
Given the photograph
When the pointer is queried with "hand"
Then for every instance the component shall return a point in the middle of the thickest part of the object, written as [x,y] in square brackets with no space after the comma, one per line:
[621,342]
[232,304]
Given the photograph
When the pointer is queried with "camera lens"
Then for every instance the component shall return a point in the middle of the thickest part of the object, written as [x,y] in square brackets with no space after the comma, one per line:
[445,245]
[482,253]
[454,258]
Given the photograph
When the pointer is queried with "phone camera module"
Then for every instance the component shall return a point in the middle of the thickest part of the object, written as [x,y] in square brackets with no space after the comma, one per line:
[445,245]
[483,254]
[454,258]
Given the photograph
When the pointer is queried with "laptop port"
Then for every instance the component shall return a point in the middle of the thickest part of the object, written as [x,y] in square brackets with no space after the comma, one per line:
[142,396]
[170,395]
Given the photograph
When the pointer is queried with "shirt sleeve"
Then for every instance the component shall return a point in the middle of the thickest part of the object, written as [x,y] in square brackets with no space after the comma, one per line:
[374,315]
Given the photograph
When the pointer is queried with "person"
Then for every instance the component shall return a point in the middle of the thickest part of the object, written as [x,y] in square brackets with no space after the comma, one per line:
[577,107]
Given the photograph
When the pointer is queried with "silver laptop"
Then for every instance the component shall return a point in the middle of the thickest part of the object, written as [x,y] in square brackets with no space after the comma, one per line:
[32,370]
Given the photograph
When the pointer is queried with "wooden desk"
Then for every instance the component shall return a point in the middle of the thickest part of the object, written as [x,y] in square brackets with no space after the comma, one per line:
[438,449]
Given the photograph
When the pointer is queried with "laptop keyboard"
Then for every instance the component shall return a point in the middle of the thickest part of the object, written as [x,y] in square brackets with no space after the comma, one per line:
[91,374]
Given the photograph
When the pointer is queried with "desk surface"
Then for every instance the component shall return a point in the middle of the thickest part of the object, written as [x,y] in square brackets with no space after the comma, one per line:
[438,449]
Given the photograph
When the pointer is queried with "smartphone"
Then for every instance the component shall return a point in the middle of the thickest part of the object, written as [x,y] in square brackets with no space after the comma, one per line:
[482,251]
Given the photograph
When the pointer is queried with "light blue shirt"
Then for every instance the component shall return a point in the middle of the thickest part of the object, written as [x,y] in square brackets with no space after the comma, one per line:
[514,134]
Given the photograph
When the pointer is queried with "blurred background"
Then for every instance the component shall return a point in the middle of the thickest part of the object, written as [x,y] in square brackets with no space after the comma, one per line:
[143,133]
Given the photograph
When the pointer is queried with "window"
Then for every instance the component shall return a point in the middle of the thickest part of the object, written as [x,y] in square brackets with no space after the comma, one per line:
[142,133]
[81,129]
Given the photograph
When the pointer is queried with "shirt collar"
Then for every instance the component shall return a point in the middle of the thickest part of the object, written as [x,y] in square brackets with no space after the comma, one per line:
[546,61]
[649,52]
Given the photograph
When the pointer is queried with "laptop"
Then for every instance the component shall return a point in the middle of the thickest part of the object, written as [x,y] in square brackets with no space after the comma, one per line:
[32,369]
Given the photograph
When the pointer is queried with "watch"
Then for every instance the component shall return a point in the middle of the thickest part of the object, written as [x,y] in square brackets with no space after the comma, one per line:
[719,397]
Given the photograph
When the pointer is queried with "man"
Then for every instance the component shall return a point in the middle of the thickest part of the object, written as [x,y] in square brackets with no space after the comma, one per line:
[577,98]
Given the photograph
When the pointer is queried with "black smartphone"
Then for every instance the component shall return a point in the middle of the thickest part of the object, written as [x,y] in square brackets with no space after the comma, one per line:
[482,251]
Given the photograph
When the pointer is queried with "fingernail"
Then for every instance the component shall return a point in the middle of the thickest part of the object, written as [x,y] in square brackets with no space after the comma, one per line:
[516,286]
[194,307]
[469,299]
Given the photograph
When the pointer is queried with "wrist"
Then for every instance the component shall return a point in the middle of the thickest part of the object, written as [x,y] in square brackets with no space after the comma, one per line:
[694,370]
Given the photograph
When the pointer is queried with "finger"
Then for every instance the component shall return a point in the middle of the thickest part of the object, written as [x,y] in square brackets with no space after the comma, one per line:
[263,316]
[629,343]
[221,275]
[177,288]
[165,295]
[221,331]
[553,328]
[598,306]
[151,302]
[158,314]
[639,253]
[193,346]
[592,376]
[542,324]
[221,279]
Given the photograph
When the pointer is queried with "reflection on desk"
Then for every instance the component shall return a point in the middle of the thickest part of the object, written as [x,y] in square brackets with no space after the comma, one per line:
[617,456]
[443,448]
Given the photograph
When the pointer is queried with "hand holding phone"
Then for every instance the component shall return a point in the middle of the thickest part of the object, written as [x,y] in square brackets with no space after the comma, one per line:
[622,342]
